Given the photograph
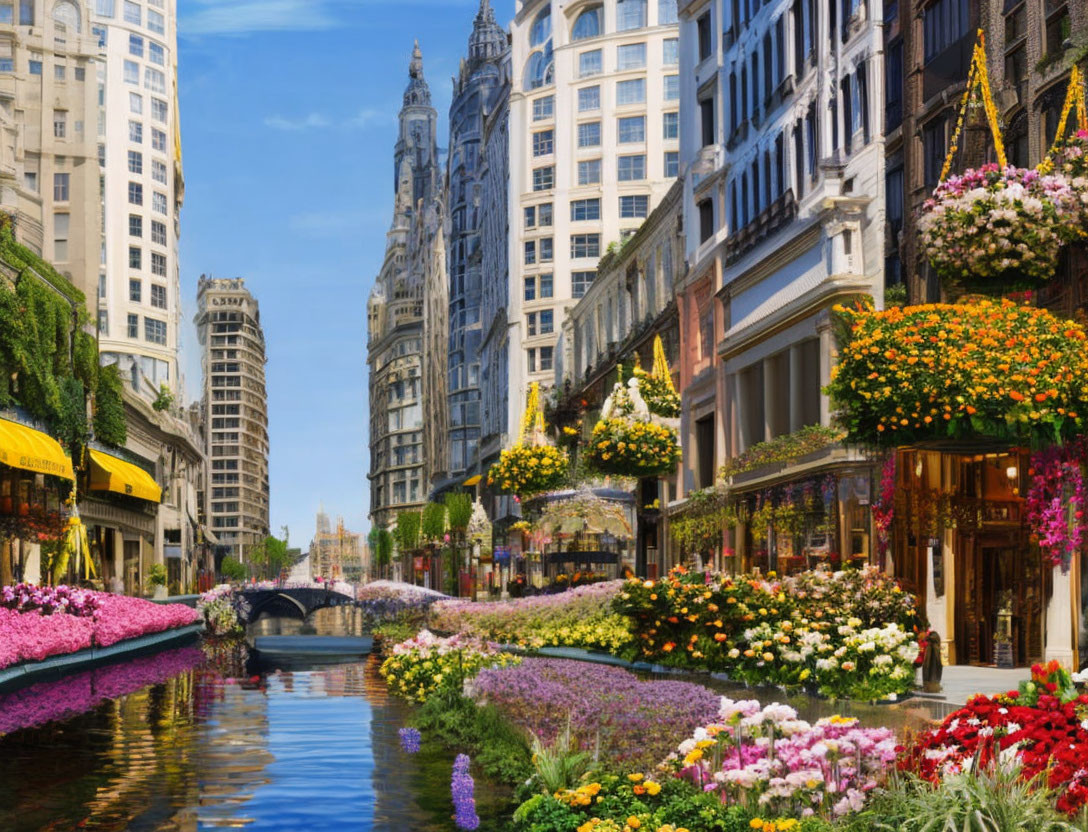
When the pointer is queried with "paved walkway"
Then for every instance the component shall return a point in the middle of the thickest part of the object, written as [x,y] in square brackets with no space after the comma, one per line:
[960,682]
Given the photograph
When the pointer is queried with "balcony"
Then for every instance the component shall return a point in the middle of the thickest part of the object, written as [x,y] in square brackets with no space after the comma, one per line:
[773,218]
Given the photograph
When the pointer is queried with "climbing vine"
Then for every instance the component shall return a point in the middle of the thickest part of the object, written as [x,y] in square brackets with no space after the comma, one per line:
[109,408]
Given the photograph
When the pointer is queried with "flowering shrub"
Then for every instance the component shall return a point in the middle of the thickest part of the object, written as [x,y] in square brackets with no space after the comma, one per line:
[785,448]
[223,610]
[847,634]
[122,617]
[991,224]
[580,617]
[49,599]
[529,469]
[426,664]
[767,759]
[990,369]
[629,722]
[632,448]
[1044,724]
[1056,472]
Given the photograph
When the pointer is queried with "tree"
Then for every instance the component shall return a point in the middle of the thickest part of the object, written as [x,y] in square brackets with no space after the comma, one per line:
[433,524]
[381,548]
[232,569]
[458,514]
[270,555]
[458,511]
[406,533]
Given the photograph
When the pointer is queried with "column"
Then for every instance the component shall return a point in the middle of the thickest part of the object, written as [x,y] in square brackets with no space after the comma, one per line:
[1060,617]
[769,379]
[796,389]
[826,348]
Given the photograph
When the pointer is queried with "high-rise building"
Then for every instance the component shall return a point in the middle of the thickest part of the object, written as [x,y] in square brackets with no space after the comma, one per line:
[235,411]
[139,155]
[594,140]
[472,89]
[406,379]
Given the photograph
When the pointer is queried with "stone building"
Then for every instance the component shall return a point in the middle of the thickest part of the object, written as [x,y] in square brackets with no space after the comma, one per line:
[335,552]
[406,354]
[235,405]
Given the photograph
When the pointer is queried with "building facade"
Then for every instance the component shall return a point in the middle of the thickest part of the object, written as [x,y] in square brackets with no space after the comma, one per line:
[235,404]
[594,140]
[142,186]
[473,87]
[401,370]
[335,552]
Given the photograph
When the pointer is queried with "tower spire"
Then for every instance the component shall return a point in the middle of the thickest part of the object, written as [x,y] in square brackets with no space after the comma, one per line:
[417,93]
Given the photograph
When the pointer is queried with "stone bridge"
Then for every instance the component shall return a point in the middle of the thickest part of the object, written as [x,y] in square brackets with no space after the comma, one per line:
[293,602]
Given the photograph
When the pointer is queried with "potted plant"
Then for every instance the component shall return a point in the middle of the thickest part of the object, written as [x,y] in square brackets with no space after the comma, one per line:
[156,579]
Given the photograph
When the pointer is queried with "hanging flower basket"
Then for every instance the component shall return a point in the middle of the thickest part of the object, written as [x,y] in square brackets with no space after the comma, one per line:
[991,369]
[627,442]
[996,230]
[532,466]
[656,387]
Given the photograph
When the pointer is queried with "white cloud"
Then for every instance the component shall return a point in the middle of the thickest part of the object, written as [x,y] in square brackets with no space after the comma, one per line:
[240,17]
[311,122]
[372,117]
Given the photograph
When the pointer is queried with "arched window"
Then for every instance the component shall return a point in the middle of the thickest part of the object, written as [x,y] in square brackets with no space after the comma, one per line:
[630,14]
[535,71]
[66,12]
[588,24]
[542,28]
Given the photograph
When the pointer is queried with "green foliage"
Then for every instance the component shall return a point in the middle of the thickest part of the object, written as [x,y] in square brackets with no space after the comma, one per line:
[165,399]
[496,746]
[232,569]
[785,448]
[895,295]
[156,575]
[560,765]
[109,409]
[381,546]
[71,426]
[698,528]
[270,555]
[433,524]
[458,511]
[406,533]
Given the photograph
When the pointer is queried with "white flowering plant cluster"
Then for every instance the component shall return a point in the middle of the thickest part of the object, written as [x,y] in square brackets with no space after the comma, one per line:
[875,663]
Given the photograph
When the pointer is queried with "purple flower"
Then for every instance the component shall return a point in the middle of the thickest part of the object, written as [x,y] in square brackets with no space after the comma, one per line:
[409,740]
[463,788]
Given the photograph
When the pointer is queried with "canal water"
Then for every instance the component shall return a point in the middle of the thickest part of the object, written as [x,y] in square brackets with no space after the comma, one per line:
[202,739]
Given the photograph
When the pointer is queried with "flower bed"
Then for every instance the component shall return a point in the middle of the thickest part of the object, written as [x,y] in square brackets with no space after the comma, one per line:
[633,724]
[847,634]
[782,449]
[35,635]
[426,664]
[988,369]
[580,617]
[1044,725]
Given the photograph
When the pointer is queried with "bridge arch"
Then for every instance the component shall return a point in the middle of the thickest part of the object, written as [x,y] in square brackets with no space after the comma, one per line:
[292,603]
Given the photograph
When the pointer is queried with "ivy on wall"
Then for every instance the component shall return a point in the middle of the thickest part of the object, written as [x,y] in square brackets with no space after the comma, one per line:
[109,408]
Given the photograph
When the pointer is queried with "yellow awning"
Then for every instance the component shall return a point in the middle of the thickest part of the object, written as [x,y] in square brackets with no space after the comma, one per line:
[32,450]
[473,480]
[108,473]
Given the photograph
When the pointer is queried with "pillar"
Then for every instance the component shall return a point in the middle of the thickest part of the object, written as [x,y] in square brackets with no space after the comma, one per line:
[769,379]
[797,394]
[1061,643]
[826,348]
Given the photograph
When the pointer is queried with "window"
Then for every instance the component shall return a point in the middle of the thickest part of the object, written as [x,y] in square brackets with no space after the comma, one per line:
[542,28]
[545,282]
[135,257]
[634,207]
[81,73]
[539,69]
[135,291]
[100,35]
[585,245]
[135,103]
[670,125]
[158,232]
[133,326]
[546,252]
[158,140]
[530,252]
[530,216]
[135,161]
[589,134]
[544,215]
[588,24]
[135,225]
[670,52]
[631,56]
[530,289]
[155,331]
[547,321]
[59,72]
[630,14]
[132,12]
[579,283]
[589,172]
[933,150]
[158,109]
[156,22]
[589,98]
[543,143]
[156,54]
[532,360]
[158,264]
[60,124]
[543,108]
[35,67]
[132,73]
[543,178]
[705,37]
[61,187]
[135,193]
[60,237]
[672,163]
[135,46]
[155,80]
[158,202]
[706,220]
[631,92]
[30,180]
[7,12]
[631,168]
[944,23]
[706,121]
[590,63]
[158,171]
[631,129]
[546,354]
[135,132]
[666,12]
[103,322]
[585,209]
[530,324]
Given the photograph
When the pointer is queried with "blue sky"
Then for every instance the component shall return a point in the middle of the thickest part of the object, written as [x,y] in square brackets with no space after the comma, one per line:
[288,112]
